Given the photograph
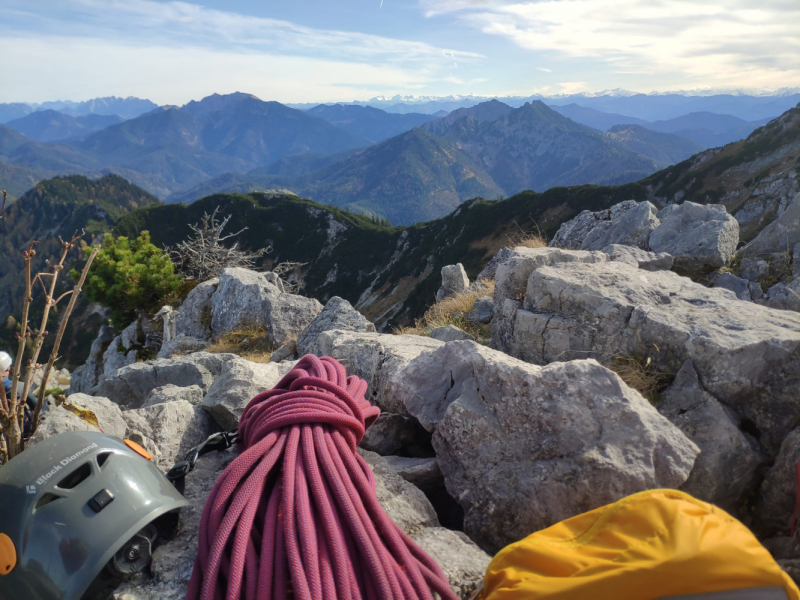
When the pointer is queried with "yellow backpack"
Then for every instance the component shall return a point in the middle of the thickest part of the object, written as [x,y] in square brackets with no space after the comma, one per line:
[659,544]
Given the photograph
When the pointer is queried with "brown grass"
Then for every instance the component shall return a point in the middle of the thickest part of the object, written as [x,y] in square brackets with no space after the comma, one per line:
[640,374]
[251,343]
[532,238]
[452,311]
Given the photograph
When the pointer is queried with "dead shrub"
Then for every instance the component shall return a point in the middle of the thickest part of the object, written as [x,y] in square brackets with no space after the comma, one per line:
[642,375]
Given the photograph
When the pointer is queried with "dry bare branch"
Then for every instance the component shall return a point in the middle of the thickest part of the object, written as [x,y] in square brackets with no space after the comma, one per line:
[203,256]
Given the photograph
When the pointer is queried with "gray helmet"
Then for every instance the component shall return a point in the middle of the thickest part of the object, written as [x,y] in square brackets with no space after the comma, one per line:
[78,510]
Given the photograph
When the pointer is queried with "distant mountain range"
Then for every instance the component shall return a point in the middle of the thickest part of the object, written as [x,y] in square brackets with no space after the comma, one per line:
[53,126]
[126,108]
[489,150]
[363,157]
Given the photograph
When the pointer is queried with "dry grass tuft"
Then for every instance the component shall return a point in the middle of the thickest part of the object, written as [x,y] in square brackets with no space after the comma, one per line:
[251,343]
[640,374]
[533,238]
[452,311]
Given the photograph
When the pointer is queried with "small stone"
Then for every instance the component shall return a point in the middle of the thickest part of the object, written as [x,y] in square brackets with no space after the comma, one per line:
[286,352]
[337,314]
[482,311]
[754,269]
[454,281]
[450,333]
[737,285]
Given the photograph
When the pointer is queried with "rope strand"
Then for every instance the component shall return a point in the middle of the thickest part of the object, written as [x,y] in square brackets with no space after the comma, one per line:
[295,514]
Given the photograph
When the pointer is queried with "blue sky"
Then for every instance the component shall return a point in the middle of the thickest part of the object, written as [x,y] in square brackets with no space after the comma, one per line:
[315,50]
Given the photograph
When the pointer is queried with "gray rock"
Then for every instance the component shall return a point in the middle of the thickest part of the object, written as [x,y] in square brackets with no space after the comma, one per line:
[727,470]
[375,357]
[783,296]
[522,447]
[194,315]
[192,394]
[109,415]
[739,286]
[132,384]
[180,345]
[754,269]
[454,281]
[629,223]
[132,336]
[247,299]
[337,314]
[482,311]
[449,333]
[756,293]
[649,261]
[778,492]
[58,420]
[275,280]
[780,235]
[512,280]
[392,433]
[286,352]
[422,472]
[169,430]
[462,561]
[500,258]
[241,381]
[86,377]
[115,358]
[699,236]
[742,351]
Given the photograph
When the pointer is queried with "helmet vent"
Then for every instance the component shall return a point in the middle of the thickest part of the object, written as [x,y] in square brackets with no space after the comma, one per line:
[76,477]
[46,499]
[102,458]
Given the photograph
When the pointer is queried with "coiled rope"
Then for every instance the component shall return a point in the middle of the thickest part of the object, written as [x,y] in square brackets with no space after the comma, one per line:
[295,514]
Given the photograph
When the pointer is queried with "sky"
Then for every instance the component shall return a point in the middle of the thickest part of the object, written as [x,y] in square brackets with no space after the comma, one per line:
[342,50]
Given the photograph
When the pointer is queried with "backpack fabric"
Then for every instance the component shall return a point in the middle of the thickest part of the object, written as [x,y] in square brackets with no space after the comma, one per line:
[655,545]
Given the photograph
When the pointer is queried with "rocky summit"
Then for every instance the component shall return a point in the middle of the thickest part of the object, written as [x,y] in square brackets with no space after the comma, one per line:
[641,349]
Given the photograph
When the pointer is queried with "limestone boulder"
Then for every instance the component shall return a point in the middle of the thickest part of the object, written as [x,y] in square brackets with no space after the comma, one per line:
[779,236]
[245,298]
[240,382]
[58,420]
[376,358]
[169,430]
[337,314]
[522,447]
[454,281]
[649,261]
[754,269]
[192,394]
[511,282]
[699,236]
[731,462]
[194,315]
[744,354]
[108,413]
[629,223]
[132,384]
[490,270]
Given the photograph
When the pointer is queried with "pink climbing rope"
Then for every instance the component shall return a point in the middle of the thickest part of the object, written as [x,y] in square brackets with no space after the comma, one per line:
[295,514]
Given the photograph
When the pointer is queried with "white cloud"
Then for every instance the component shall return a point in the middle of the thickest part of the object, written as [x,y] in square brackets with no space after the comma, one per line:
[182,23]
[703,42]
[79,69]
